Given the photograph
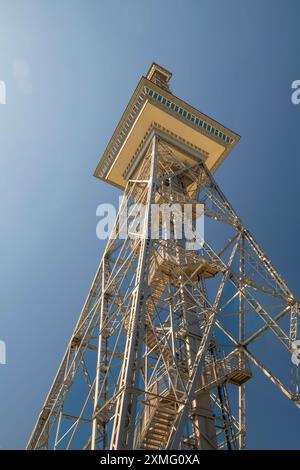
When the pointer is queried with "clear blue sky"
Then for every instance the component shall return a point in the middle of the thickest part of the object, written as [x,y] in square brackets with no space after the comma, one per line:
[70,67]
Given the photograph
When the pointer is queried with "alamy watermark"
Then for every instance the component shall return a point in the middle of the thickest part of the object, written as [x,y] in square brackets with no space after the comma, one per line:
[295,97]
[166,221]
[2,92]
[2,352]
[296,352]
[2,343]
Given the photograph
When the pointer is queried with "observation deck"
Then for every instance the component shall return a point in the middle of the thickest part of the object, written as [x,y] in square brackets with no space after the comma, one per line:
[153,108]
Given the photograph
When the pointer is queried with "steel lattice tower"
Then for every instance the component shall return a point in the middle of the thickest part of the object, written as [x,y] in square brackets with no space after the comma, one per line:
[168,336]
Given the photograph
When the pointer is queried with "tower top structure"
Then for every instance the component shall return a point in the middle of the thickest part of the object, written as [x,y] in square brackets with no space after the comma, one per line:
[154,109]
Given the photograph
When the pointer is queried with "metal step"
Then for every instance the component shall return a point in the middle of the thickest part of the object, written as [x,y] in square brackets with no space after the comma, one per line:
[159,425]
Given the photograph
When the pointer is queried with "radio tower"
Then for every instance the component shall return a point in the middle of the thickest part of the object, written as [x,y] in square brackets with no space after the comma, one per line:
[170,334]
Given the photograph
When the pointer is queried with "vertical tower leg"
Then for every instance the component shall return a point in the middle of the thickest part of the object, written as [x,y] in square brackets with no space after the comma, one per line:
[123,429]
[242,388]
[99,358]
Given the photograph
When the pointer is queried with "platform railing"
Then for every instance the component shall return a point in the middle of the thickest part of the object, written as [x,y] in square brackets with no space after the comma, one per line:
[217,370]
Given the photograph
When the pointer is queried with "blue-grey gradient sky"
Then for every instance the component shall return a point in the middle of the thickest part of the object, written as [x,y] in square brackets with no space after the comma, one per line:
[70,67]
